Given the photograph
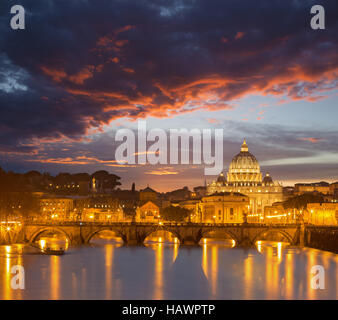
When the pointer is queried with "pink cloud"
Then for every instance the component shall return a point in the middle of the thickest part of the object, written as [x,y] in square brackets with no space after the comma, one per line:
[311,139]
[239,35]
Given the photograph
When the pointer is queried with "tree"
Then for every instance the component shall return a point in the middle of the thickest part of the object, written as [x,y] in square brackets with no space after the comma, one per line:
[301,201]
[106,180]
[175,213]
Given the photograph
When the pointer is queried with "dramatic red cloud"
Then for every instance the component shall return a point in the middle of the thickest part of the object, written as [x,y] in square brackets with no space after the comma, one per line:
[56,75]
[312,140]
[135,65]
[239,35]
[82,75]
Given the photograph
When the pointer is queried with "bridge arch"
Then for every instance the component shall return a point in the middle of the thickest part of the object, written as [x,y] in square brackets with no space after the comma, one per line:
[263,233]
[161,228]
[97,231]
[40,231]
[230,234]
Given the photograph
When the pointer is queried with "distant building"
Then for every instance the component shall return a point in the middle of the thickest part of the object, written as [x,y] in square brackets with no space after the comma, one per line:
[148,212]
[103,214]
[323,213]
[148,194]
[149,206]
[245,177]
[56,208]
[225,207]
[277,214]
[100,207]
[334,190]
[320,187]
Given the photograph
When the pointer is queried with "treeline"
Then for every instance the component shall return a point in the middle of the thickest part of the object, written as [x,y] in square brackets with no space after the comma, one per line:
[65,183]
[300,202]
[17,204]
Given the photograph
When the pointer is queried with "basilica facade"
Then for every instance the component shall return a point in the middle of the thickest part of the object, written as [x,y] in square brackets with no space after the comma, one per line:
[244,176]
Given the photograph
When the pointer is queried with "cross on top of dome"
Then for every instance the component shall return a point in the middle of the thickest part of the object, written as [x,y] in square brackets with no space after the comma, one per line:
[244,147]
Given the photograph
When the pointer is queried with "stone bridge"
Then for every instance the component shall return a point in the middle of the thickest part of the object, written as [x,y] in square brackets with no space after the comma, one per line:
[244,234]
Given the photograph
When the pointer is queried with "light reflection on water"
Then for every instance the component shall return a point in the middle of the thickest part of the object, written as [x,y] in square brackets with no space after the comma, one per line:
[164,270]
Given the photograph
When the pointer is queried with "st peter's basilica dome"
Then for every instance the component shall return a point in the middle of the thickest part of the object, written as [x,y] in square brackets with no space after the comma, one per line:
[244,168]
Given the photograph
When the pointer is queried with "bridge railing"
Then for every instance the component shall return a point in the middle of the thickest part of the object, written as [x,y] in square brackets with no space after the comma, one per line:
[162,224]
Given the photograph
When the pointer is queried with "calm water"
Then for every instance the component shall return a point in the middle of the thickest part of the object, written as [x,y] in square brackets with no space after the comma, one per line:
[215,270]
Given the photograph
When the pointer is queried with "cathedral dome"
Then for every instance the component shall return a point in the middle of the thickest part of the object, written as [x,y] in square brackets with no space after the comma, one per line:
[221,178]
[244,168]
[267,179]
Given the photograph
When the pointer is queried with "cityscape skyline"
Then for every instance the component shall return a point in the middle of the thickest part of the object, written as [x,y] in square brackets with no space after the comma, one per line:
[169,170]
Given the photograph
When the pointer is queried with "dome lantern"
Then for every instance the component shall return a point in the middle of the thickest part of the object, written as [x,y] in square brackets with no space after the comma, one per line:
[244,147]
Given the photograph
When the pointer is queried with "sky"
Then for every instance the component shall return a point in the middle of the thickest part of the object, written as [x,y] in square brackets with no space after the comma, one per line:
[83,69]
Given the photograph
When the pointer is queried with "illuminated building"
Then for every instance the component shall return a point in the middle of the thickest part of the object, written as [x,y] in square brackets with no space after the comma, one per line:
[276,214]
[148,209]
[103,214]
[148,194]
[148,212]
[323,213]
[320,187]
[245,177]
[56,208]
[334,190]
[100,208]
[224,207]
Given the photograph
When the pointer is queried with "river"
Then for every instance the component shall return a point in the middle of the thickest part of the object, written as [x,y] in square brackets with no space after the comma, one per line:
[162,269]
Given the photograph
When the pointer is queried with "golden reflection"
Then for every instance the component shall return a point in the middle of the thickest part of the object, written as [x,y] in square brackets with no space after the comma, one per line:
[269,271]
[55,277]
[109,250]
[259,246]
[158,292]
[214,269]
[8,275]
[279,251]
[8,249]
[175,251]
[312,261]
[42,243]
[248,276]
[205,258]
[289,276]
[276,270]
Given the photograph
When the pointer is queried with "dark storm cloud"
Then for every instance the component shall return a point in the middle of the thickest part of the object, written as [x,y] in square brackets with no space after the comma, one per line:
[80,64]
